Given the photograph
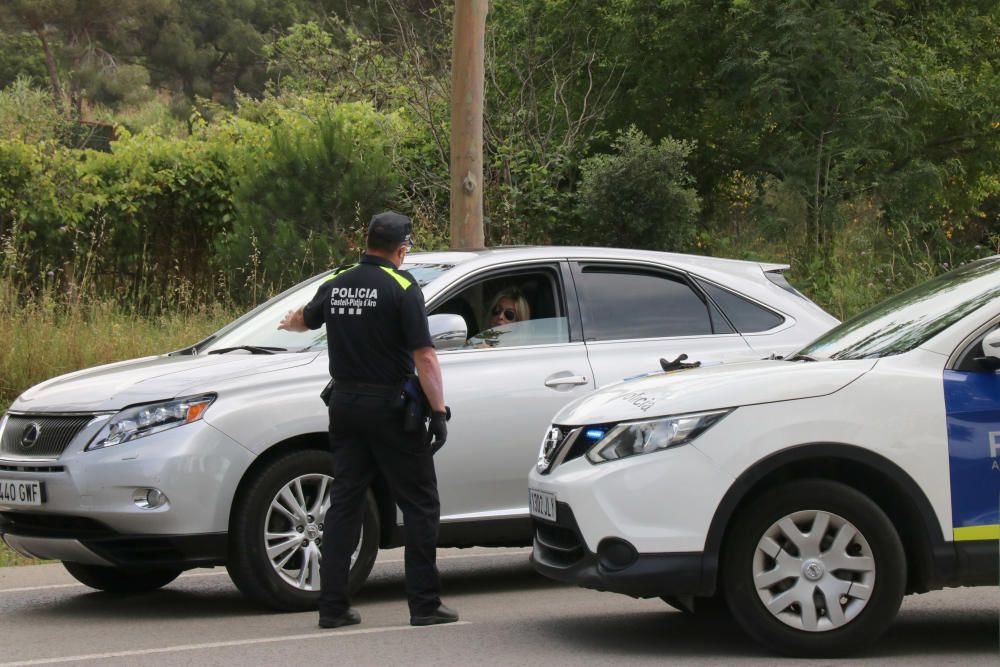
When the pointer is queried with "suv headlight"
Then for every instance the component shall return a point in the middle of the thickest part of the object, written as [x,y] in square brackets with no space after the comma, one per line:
[644,437]
[142,420]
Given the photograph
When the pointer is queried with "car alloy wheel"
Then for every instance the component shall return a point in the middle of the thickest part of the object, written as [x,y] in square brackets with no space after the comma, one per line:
[814,570]
[293,530]
[276,531]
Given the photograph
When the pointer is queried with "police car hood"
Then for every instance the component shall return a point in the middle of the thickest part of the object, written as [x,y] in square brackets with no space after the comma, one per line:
[710,388]
[114,386]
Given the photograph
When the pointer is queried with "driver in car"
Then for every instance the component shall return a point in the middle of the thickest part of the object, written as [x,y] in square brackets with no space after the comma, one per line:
[509,306]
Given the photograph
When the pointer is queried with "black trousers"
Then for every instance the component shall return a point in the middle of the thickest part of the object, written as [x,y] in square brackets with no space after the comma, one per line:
[367,437]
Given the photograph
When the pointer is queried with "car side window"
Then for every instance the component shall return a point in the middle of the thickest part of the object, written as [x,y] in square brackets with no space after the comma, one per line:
[967,362]
[511,309]
[619,303]
[746,316]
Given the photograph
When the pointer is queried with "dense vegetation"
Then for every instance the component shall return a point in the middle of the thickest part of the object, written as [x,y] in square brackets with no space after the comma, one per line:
[185,158]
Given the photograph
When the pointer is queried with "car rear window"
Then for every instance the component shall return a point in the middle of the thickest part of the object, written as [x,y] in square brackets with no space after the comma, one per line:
[746,316]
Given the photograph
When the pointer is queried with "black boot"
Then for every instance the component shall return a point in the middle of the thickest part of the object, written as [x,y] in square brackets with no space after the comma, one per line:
[442,614]
[349,617]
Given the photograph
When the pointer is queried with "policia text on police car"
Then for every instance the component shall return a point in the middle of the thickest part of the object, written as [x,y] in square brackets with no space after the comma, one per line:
[377,334]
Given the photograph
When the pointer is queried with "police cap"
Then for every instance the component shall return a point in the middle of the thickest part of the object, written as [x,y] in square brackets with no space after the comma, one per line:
[390,230]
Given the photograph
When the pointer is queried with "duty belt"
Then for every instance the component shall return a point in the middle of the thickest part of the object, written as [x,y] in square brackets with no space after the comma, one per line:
[389,391]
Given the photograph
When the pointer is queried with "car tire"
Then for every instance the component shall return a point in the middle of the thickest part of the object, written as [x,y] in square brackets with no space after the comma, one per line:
[262,576]
[121,580]
[777,555]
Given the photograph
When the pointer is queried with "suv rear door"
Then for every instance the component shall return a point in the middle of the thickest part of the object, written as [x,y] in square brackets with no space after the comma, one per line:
[633,314]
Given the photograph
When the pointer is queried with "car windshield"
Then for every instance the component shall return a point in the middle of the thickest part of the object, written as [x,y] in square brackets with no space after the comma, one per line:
[913,317]
[259,328]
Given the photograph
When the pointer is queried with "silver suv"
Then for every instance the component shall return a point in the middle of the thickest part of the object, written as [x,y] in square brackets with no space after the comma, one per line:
[216,454]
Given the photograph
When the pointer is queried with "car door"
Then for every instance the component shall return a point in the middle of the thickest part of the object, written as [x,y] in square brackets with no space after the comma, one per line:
[504,387]
[633,314]
[972,404]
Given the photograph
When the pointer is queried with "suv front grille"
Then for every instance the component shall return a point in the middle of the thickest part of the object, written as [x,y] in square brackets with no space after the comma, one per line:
[580,445]
[40,436]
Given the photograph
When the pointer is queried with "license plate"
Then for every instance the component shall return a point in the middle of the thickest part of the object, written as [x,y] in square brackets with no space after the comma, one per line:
[20,492]
[542,505]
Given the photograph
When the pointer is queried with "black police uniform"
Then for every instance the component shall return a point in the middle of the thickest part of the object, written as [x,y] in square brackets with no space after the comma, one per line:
[375,317]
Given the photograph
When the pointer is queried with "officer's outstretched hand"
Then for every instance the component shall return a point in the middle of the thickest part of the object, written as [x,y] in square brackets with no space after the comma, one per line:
[437,431]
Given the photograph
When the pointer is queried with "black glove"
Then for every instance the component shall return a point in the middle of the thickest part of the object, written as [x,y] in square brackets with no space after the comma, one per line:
[678,364]
[437,430]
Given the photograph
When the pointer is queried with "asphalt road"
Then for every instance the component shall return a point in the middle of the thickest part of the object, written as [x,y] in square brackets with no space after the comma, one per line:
[510,616]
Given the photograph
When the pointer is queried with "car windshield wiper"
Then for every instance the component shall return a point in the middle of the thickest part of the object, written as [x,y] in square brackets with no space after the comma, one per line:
[799,357]
[255,349]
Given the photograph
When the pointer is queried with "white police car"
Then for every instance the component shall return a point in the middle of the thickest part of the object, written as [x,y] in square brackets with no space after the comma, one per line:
[811,493]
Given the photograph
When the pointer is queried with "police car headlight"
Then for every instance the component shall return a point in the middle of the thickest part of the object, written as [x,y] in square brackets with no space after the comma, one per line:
[138,422]
[645,437]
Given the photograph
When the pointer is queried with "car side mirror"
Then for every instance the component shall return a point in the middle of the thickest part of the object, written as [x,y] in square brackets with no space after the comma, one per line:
[448,331]
[991,351]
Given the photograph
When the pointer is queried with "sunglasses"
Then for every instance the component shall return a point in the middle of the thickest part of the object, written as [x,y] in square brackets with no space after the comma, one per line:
[508,313]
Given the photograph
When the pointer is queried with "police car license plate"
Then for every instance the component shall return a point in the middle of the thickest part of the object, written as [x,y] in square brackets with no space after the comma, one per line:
[20,492]
[542,505]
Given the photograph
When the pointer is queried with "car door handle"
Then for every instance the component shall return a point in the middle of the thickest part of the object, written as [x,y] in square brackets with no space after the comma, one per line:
[569,379]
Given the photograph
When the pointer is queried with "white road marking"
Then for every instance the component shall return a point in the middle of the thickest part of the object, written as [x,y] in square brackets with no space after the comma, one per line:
[327,634]
[193,575]
[52,586]
[38,588]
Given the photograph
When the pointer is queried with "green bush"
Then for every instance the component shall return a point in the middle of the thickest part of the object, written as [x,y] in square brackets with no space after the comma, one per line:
[155,206]
[301,194]
[639,196]
[236,210]
[40,209]
[27,113]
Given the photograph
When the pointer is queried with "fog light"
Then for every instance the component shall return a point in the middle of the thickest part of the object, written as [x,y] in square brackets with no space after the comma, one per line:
[615,553]
[149,499]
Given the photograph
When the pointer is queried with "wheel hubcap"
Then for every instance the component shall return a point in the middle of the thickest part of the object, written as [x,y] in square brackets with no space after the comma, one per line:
[293,530]
[814,570]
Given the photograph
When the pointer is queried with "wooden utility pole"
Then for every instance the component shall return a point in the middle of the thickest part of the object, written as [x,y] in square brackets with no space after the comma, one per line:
[467,81]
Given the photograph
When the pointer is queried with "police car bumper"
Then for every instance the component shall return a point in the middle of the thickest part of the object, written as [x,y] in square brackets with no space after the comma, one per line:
[560,554]
[158,500]
[629,526]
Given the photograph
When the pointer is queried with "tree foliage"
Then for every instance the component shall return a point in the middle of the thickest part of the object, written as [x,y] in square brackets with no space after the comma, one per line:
[238,208]
[312,182]
[638,196]
[857,139]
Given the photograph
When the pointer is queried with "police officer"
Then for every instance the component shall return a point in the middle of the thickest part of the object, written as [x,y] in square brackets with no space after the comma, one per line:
[376,328]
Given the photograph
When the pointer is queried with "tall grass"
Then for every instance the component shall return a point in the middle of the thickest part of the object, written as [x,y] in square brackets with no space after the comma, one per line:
[47,336]
[8,558]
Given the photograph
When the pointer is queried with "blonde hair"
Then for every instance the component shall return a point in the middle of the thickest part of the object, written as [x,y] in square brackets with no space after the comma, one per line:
[521,307]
